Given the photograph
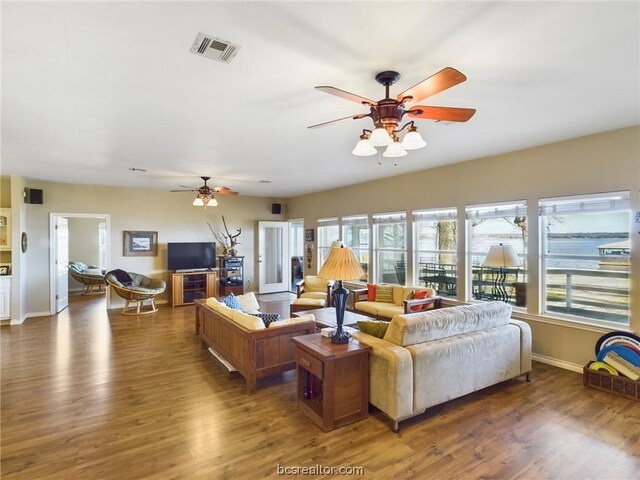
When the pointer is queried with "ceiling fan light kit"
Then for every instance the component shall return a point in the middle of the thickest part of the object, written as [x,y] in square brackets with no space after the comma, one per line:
[205,194]
[387,113]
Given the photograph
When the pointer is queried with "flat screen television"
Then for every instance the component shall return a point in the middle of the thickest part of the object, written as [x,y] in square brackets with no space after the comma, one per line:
[191,255]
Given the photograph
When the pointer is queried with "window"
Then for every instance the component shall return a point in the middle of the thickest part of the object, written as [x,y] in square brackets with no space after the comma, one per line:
[390,247]
[435,250]
[328,231]
[585,256]
[504,227]
[355,235]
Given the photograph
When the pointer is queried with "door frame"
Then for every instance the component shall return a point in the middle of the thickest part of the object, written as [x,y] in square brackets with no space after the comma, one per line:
[53,247]
[285,268]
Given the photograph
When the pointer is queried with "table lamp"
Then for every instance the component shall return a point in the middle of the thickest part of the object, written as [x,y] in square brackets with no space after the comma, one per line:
[501,256]
[341,264]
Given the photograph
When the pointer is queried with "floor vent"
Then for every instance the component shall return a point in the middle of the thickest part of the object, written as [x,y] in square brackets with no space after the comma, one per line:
[214,48]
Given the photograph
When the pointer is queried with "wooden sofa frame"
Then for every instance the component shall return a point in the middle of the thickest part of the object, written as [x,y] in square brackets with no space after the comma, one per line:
[254,353]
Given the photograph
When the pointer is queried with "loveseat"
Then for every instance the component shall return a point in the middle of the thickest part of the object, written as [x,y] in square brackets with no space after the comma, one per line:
[243,341]
[400,300]
[428,358]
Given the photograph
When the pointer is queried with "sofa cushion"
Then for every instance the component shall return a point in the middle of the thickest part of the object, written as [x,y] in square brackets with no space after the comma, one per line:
[232,302]
[389,310]
[212,303]
[376,328]
[290,321]
[225,311]
[384,293]
[248,302]
[414,328]
[249,322]
[398,294]
[371,292]
[267,318]
[315,295]
[370,307]
[314,284]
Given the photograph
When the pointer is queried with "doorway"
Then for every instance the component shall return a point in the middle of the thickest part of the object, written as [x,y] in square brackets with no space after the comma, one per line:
[273,253]
[296,251]
[79,237]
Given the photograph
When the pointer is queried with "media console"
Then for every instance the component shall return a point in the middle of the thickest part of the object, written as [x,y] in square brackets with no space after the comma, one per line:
[185,287]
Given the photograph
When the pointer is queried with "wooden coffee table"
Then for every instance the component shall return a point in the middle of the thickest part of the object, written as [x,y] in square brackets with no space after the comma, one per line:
[326,317]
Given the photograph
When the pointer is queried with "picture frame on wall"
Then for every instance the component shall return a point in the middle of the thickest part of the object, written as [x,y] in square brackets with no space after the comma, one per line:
[5,229]
[5,270]
[309,234]
[140,244]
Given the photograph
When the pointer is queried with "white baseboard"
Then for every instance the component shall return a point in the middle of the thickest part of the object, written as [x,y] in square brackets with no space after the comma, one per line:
[557,363]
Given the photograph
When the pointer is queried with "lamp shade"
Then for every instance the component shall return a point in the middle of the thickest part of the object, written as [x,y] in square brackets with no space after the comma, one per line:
[413,140]
[212,202]
[198,202]
[380,137]
[394,150]
[364,149]
[341,264]
[501,256]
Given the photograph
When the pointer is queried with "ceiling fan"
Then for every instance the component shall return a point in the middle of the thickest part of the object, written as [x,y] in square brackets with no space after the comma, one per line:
[206,193]
[388,112]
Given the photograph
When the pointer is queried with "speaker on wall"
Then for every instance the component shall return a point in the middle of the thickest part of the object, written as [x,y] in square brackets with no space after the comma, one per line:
[33,196]
[276,208]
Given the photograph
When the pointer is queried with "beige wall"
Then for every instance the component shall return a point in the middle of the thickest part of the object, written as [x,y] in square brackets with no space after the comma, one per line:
[598,163]
[170,214]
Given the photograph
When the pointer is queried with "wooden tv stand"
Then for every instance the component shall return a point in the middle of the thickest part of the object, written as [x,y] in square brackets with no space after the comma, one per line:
[185,287]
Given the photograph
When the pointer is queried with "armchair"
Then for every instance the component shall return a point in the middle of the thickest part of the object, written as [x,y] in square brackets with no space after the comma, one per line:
[312,293]
[91,277]
[142,289]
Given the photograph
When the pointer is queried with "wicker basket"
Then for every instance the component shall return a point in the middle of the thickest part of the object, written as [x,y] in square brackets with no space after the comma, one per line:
[619,385]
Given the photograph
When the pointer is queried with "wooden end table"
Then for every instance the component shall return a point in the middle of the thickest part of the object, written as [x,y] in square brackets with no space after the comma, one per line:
[333,380]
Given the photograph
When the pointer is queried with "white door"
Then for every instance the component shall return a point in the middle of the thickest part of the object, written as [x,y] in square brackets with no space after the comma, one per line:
[273,252]
[62,263]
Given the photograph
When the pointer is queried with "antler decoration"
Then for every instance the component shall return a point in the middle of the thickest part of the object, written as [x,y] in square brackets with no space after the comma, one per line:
[228,241]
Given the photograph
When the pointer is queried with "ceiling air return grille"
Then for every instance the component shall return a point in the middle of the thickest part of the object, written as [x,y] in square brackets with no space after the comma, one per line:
[214,48]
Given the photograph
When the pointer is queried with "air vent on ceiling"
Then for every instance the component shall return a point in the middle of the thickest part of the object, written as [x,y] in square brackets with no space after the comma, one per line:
[214,48]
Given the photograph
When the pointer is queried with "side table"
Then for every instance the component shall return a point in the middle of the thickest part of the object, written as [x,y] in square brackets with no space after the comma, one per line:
[333,380]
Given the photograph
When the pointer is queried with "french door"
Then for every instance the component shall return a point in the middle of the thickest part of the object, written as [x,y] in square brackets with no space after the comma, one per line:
[273,252]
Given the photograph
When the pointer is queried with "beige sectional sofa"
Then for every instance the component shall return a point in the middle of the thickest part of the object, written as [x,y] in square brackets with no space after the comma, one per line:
[401,303]
[243,341]
[431,357]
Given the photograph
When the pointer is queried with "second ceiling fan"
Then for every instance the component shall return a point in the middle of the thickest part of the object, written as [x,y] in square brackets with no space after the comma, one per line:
[389,112]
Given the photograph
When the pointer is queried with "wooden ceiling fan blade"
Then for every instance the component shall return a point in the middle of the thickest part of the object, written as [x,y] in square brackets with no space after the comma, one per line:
[447,114]
[346,95]
[224,191]
[353,117]
[436,83]
[190,190]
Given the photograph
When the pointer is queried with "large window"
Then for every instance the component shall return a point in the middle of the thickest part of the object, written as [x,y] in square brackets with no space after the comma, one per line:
[390,247]
[497,247]
[435,250]
[355,235]
[328,232]
[585,256]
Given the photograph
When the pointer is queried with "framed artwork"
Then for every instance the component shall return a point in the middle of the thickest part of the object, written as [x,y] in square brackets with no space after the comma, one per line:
[5,229]
[309,234]
[5,269]
[140,244]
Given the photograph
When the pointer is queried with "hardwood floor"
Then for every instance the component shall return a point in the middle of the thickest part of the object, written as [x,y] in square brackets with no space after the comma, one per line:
[94,395]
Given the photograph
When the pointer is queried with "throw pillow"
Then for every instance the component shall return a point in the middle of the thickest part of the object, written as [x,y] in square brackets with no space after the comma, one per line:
[231,301]
[419,295]
[384,293]
[375,328]
[267,318]
[371,292]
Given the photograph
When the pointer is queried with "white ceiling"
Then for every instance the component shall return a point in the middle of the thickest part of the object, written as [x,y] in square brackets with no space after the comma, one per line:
[91,89]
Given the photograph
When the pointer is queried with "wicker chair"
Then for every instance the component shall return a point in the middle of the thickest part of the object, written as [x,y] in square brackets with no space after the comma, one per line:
[91,277]
[143,289]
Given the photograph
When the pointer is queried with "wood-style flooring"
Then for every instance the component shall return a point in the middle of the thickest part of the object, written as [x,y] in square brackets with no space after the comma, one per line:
[91,394]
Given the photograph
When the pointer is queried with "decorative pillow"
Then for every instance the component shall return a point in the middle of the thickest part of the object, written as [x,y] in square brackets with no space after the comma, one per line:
[384,293]
[375,328]
[420,294]
[371,292]
[231,301]
[121,276]
[267,318]
[248,302]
